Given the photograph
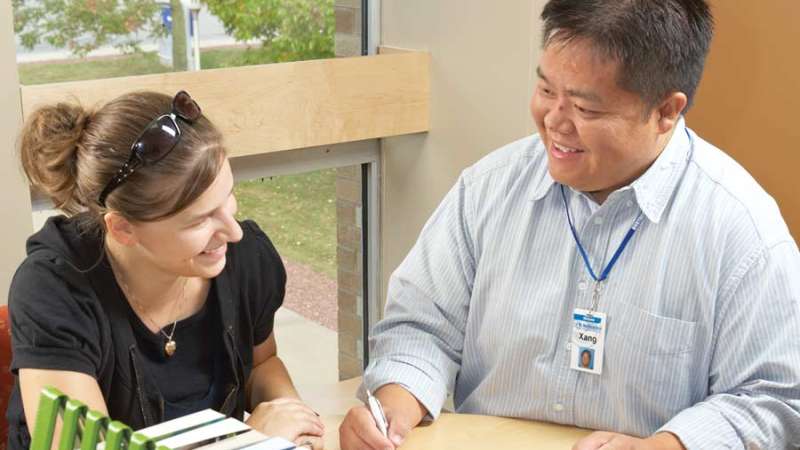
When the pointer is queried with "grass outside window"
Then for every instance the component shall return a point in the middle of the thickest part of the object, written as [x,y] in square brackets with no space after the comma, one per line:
[144,63]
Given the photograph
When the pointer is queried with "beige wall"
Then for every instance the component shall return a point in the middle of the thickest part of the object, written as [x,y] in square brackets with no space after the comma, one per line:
[482,59]
[14,198]
[748,103]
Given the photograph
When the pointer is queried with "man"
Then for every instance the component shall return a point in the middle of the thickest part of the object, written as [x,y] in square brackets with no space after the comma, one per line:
[615,228]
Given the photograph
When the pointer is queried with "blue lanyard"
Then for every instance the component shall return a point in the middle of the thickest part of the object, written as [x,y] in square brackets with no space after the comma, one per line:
[614,258]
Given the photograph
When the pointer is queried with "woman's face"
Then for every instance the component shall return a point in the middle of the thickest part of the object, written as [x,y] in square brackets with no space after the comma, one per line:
[193,242]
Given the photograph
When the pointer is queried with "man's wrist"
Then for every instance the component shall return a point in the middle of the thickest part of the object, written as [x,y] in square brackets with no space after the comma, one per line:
[398,400]
[665,440]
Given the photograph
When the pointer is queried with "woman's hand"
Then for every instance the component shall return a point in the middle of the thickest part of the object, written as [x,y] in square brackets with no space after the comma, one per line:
[288,418]
[307,442]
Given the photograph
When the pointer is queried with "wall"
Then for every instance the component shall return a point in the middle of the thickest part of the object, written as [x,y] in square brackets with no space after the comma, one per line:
[482,59]
[748,103]
[14,194]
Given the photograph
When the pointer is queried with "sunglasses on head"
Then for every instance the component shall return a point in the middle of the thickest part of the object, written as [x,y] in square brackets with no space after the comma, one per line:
[157,140]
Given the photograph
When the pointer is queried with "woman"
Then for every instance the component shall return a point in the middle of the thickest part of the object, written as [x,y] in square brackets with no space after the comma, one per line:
[147,300]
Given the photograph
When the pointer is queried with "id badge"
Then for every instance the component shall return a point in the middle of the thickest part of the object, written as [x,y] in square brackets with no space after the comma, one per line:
[588,341]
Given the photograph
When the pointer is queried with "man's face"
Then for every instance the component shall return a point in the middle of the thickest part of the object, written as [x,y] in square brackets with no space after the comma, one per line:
[585,359]
[596,135]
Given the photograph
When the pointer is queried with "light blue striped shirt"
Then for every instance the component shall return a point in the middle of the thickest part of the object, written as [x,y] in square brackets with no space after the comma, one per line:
[703,335]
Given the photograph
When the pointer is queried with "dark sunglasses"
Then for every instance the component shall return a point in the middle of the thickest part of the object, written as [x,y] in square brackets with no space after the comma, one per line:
[156,141]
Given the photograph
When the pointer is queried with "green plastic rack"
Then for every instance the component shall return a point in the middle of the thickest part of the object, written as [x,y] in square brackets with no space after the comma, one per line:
[81,428]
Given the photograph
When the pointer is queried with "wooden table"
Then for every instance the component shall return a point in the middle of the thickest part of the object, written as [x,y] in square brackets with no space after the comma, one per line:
[450,431]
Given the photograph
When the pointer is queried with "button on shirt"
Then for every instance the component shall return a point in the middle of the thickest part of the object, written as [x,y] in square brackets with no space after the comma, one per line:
[703,305]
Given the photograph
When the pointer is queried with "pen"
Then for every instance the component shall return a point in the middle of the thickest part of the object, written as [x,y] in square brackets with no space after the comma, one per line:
[377,413]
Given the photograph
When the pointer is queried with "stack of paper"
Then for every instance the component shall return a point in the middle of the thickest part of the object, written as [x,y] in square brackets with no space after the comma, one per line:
[210,430]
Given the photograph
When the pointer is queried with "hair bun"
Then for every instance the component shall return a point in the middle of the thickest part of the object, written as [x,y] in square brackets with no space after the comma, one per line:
[49,150]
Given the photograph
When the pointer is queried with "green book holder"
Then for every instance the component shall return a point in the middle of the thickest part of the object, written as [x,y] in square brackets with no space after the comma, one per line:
[81,428]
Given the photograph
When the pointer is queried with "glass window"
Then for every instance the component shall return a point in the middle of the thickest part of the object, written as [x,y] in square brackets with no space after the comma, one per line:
[90,39]
[299,214]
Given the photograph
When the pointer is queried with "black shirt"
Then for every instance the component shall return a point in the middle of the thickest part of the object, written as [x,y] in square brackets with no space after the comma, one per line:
[68,313]
[196,363]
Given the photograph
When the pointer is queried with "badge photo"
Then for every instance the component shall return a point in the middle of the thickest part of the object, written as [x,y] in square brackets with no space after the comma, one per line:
[588,339]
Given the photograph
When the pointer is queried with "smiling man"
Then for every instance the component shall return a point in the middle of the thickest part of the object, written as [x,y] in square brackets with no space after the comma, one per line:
[614,232]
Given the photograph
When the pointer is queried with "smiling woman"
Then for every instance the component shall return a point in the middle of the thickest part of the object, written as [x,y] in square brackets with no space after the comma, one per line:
[148,278]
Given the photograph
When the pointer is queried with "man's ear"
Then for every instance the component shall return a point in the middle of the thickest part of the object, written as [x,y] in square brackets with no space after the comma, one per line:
[120,229]
[669,111]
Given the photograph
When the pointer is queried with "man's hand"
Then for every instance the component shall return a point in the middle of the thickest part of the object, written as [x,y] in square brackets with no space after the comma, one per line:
[603,440]
[359,431]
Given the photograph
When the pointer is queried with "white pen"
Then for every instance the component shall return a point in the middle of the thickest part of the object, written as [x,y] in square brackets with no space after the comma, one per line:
[377,413]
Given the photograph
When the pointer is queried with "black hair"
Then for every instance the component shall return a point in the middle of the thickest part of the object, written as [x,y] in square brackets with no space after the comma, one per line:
[660,45]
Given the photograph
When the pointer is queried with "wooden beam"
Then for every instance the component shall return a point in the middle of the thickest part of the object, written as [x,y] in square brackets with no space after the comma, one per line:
[278,107]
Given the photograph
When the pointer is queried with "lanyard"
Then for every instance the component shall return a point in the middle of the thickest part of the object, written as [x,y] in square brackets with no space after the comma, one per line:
[610,265]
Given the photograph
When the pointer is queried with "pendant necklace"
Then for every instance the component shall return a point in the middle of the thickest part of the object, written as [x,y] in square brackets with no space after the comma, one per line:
[170,346]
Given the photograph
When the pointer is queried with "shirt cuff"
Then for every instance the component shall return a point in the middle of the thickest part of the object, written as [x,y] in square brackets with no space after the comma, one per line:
[429,391]
[701,427]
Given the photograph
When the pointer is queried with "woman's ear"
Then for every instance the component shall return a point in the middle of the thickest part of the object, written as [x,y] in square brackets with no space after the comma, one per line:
[120,229]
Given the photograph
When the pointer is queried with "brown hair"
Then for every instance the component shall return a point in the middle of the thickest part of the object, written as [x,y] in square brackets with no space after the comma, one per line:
[71,153]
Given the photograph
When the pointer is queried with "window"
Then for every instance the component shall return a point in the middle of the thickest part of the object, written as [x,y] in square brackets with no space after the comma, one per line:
[319,206]
[92,39]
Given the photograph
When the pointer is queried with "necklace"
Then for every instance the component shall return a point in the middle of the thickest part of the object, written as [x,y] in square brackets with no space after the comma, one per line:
[170,346]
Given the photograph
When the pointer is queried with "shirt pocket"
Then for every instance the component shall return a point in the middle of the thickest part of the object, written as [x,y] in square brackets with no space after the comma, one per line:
[652,362]
[634,329]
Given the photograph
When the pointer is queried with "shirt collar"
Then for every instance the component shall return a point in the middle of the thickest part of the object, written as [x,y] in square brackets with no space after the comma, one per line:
[545,181]
[655,187]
